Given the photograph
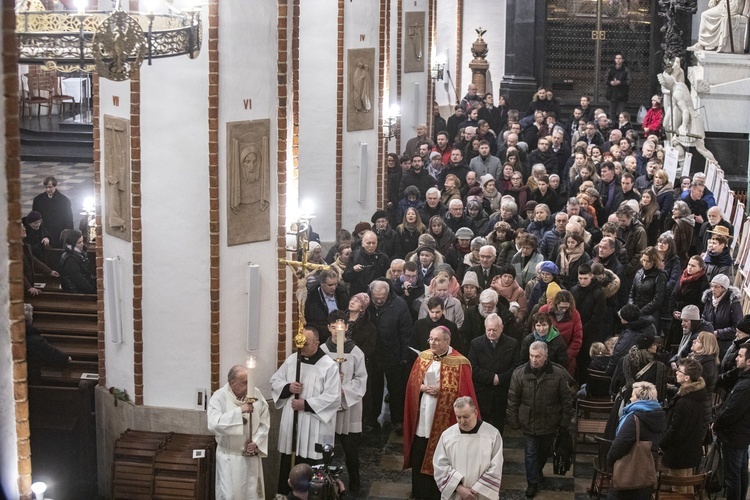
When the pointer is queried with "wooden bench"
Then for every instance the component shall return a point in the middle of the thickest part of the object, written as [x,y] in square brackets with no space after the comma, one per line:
[133,468]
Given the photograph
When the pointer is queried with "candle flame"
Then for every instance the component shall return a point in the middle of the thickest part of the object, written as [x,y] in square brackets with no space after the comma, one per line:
[340,327]
[251,363]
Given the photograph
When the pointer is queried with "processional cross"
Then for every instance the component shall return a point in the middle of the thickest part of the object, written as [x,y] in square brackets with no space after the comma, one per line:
[300,267]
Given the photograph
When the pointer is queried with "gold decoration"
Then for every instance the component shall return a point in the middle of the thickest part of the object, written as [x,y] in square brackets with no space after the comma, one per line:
[119,46]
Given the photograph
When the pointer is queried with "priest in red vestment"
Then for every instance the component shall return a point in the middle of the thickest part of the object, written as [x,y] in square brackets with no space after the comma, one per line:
[439,376]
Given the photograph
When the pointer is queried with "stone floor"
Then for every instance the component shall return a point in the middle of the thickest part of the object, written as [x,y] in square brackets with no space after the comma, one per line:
[74,180]
[382,458]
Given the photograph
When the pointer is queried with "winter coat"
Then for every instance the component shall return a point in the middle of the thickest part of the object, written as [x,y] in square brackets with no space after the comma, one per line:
[630,333]
[389,243]
[690,292]
[557,350]
[592,307]
[548,244]
[652,425]
[316,309]
[375,265]
[634,237]
[571,331]
[486,362]
[394,325]
[539,228]
[408,241]
[423,327]
[682,442]
[539,405]
[710,372]
[75,272]
[724,316]
[720,263]
[426,212]
[422,180]
[512,293]
[648,291]
[673,270]
[570,279]
[682,231]
[732,422]
[524,273]
[505,250]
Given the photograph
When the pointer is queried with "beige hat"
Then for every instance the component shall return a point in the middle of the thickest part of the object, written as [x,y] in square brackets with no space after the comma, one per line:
[470,278]
[690,313]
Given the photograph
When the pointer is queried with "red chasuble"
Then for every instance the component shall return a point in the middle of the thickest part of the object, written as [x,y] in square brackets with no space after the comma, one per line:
[455,381]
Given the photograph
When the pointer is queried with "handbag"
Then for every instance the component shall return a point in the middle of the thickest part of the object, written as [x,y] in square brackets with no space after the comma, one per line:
[636,469]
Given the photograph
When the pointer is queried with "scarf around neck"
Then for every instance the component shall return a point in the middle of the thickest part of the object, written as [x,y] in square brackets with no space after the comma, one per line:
[640,405]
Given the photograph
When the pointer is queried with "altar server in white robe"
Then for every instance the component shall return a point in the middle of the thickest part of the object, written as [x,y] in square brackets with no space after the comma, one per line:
[468,460]
[319,391]
[353,387]
[239,476]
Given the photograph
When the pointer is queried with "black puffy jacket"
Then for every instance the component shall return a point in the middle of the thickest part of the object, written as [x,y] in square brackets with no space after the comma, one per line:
[687,424]
[648,291]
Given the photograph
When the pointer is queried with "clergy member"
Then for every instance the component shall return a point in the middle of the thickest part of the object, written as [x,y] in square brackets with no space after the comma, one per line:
[468,459]
[353,387]
[239,475]
[315,398]
[439,375]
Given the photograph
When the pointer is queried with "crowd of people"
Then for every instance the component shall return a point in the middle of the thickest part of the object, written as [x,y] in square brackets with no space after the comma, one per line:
[516,257]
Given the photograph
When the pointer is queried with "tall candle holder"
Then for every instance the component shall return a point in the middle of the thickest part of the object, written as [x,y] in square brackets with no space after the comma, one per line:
[340,359]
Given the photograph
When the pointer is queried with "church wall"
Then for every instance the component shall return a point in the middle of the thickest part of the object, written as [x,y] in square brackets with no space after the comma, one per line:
[445,95]
[174,210]
[361,19]
[118,357]
[414,111]
[489,16]
[247,62]
[318,35]
[8,450]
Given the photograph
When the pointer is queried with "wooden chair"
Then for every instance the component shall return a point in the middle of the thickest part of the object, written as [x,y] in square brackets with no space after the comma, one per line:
[598,383]
[38,92]
[665,482]
[591,419]
[602,478]
[57,96]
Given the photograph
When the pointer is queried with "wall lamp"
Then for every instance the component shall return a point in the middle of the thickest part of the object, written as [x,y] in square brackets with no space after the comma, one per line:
[391,119]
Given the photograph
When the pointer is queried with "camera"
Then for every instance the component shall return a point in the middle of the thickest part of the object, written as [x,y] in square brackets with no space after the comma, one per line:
[325,483]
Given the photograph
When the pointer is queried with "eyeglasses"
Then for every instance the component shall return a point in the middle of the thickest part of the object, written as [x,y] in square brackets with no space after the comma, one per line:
[680,371]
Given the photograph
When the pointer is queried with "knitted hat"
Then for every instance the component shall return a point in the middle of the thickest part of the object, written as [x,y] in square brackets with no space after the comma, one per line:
[33,217]
[380,214]
[426,248]
[629,312]
[722,280]
[690,313]
[434,155]
[549,267]
[363,299]
[478,243]
[362,226]
[552,290]
[470,278]
[485,179]
[744,324]
[645,340]
[464,233]
[509,269]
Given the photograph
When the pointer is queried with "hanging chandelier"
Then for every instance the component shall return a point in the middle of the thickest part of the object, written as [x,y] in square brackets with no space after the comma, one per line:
[112,43]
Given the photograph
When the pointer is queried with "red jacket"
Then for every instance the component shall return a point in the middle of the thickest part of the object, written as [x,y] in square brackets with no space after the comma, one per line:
[653,119]
[571,331]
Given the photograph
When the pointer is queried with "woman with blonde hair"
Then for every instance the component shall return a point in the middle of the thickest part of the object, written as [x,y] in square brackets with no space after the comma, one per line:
[705,350]
[409,231]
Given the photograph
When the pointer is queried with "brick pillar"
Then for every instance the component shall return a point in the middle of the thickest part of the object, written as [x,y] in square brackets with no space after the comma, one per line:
[281,146]
[137,234]
[100,317]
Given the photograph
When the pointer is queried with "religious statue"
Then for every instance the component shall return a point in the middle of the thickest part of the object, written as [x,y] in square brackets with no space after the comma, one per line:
[414,41]
[682,122]
[721,26]
[116,185]
[416,37]
[361,84]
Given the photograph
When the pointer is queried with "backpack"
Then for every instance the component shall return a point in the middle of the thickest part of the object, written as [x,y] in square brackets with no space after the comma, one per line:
[713,466]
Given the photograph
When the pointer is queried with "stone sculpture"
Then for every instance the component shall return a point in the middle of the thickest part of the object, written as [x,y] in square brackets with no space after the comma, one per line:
[414,46]
[360,114]
[723,26]
[117,205]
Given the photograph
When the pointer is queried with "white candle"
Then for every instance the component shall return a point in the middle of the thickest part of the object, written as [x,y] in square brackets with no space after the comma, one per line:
[251,376]
[340,339]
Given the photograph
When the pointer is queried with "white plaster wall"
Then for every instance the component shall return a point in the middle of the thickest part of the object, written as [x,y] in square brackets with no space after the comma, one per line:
[248,45]
[317,112]
[362,18]
[410,117]
[175,205]
[118,357]
[491,17]
[8,451]
[445,93]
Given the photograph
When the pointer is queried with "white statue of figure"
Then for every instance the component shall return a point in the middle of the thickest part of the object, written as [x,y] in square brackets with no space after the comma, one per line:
[715,27]
[682,121]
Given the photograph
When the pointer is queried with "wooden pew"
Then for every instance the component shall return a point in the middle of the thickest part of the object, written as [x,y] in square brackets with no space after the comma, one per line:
[133,468]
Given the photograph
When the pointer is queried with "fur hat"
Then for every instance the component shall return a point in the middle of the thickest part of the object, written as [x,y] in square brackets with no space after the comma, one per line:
[464,233]
[362,226]
[470,278]
[629,312]
[690,313]
[33,217]
[722,280]
[380,214]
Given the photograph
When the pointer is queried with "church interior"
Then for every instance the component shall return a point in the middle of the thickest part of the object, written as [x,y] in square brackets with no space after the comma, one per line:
[191,167]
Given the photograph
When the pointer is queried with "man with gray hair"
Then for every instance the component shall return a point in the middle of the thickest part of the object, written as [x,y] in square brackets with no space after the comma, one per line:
[432,207]
[323,298]
[393,322]
[239,470]
[412,145]
[468,459]
[540,404]
[455,218]
[486,270]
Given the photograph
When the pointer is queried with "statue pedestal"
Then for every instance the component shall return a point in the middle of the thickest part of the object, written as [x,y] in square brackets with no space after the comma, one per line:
[720,85]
